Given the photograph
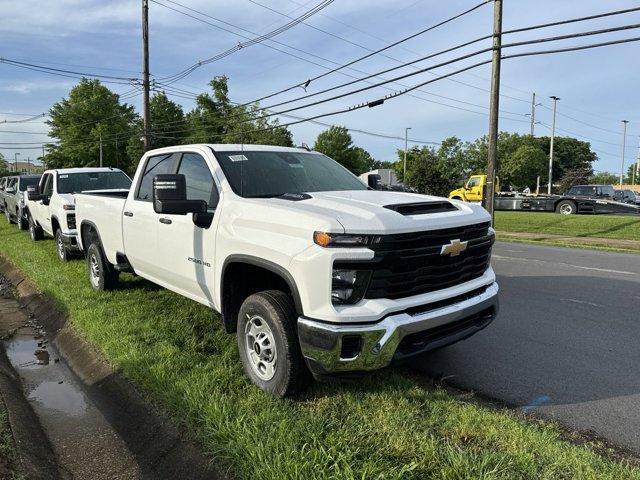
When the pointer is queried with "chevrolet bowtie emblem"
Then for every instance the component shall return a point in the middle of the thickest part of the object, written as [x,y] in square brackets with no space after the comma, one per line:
[454,248]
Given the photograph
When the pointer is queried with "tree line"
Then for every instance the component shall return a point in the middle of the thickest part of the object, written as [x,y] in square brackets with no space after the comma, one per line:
[92,116]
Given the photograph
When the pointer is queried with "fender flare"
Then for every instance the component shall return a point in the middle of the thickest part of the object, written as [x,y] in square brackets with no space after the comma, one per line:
[267,265]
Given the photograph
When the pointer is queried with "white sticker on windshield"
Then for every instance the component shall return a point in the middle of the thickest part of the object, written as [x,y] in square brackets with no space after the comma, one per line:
[64,176]
[296,165]
[238,158]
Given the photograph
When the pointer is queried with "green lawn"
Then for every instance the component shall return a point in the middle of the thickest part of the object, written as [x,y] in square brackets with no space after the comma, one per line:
[384,426]
[599,226]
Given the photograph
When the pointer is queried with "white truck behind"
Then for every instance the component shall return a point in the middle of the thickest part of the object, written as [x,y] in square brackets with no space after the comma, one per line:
[50,207]
[313,271]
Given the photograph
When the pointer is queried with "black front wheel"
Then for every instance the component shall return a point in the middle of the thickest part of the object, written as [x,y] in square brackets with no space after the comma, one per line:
[35,231]
[268,343]
[63,254]
[566,207]
[23,222]
[102,276]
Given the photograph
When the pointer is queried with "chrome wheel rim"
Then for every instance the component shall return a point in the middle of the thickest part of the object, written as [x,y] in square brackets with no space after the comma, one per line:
[32,231]
[566,209]
[261,348]
[60,247]
[94,270]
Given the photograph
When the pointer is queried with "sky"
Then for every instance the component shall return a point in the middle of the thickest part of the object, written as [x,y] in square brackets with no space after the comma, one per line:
[597,88]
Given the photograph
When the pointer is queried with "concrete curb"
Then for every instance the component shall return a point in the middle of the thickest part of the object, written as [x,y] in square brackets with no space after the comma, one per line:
[162,449]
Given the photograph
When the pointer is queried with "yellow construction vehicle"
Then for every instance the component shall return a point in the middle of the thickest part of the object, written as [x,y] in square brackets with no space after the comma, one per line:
[473,189]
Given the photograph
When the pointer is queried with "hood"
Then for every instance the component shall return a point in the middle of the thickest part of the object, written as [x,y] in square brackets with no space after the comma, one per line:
[367,211]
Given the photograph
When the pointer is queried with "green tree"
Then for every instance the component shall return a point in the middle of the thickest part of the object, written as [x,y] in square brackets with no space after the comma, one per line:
[4,166]
[424,171]
[91,111]
[576,176]
[336,143]
[366,159]
[630,176]
[522,167]
[569,155]
[216,120]
[168,127]
[604,178]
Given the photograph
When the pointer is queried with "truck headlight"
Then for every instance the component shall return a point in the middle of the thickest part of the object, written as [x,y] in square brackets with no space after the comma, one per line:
[325,239]
[348,286]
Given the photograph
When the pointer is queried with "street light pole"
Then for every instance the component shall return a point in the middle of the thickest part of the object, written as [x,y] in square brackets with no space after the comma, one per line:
[624,147]
[406,146]
[636,172]
[553,135]
[533,114]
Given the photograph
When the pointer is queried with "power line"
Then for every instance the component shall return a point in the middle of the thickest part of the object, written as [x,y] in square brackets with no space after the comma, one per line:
[25,120]
[67,73]
[241,45]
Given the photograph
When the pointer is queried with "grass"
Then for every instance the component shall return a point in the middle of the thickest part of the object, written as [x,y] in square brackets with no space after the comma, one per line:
[384,426]
[9,462]
[603,232]
[598,226]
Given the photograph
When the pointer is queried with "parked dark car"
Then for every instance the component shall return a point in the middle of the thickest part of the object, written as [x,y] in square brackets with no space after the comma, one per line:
[14,198]
[627,196]
[591,191]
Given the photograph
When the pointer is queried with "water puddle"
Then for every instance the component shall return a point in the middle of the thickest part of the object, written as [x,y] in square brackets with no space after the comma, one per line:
[60,397]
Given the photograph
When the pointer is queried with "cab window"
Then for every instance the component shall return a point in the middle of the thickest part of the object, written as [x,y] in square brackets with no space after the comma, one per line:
[473,182]
[200,184]
[47,189]
[156,165]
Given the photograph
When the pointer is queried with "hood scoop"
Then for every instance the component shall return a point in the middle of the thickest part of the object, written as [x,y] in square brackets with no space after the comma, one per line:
[422,208]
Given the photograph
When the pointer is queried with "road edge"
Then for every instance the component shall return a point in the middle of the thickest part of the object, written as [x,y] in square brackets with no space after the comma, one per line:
[163,449]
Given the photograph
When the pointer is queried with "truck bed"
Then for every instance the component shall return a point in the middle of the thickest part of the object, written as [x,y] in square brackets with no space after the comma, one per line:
[102,209]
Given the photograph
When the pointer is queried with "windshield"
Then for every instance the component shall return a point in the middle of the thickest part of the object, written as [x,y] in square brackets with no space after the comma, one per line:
[28,182]
[80,182]
[271,174]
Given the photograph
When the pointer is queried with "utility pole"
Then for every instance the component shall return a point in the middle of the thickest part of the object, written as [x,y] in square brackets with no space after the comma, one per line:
[15,162]
[28,164]
[533,113]
[101,149]
[636,177]
[145,75]
[624,147]
[494,108]
[553,135]
[406,146]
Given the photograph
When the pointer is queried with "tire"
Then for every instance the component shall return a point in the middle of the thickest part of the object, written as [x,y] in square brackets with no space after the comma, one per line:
[566,207]
[268,343]
[35,231]
[23,223]
[63,254]
[102,276]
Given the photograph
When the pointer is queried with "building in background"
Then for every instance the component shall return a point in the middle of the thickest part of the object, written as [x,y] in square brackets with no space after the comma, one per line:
[387,177]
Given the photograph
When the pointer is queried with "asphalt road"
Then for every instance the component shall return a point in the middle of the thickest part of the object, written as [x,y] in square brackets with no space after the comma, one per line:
[566,343]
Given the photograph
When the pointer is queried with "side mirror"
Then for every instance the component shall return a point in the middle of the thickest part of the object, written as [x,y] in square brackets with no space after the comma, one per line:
[170,196]
[11,190]
[373,181]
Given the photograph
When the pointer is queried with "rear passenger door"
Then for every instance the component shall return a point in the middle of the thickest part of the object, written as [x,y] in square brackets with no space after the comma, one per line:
[187,250]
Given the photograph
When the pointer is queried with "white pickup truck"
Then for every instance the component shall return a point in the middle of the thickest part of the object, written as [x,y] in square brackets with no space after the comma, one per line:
[50,207]
[314,271]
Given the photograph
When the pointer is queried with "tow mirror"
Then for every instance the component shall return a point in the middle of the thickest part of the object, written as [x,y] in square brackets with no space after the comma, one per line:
[34,193]
[170,196]
[373,181]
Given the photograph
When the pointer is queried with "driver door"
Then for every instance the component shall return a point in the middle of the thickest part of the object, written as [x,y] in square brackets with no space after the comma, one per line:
[42,214]
[474,189]
[187,250]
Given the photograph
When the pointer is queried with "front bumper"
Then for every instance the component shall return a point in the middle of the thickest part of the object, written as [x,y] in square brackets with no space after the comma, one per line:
[70,241]
[334,348]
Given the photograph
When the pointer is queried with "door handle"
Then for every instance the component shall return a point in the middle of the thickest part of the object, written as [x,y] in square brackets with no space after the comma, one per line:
[166,221]
[128,214]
